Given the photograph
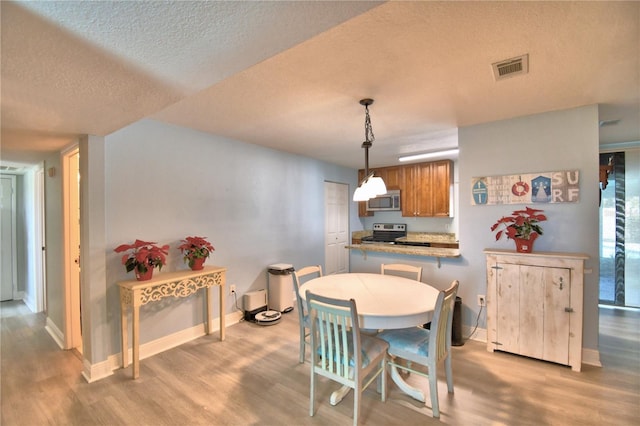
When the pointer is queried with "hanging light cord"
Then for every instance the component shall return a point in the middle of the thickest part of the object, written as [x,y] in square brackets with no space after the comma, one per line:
[368,137]
[371,186]
[368,130]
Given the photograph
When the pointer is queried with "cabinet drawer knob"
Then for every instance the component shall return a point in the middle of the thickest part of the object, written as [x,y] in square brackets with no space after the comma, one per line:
[569,310]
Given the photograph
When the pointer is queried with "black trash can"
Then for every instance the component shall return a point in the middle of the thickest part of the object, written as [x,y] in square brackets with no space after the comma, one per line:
[456,326]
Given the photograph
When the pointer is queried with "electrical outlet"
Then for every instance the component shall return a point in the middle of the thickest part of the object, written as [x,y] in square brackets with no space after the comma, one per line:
[232,289]
[481,300]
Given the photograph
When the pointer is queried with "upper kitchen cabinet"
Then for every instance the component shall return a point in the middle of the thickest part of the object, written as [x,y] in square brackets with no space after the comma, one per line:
[441,188]
[416,189]
[391,176]
[426,189]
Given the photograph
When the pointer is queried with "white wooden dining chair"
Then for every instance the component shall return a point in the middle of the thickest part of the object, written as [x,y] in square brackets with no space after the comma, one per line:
[300,277]
[426,347]
[340,352]
[405,270]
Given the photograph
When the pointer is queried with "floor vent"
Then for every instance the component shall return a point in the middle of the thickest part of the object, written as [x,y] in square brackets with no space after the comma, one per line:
[511,67]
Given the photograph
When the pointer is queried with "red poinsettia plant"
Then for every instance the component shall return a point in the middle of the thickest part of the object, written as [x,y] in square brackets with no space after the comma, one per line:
[521,224]
[195,248]
[143,255]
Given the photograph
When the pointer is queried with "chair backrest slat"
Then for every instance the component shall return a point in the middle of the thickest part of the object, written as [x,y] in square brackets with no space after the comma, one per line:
[443,317]
[306,272]
[414,272]
[334,336]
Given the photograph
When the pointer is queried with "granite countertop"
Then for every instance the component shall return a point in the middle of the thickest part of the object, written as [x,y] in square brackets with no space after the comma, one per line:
[430,237]
[446,245]
[408,250]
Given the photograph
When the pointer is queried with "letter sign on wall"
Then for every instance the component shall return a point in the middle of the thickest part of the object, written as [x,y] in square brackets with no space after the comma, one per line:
[537,188]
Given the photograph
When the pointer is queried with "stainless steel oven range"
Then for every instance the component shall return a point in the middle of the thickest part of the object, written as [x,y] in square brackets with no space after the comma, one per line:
[386,233]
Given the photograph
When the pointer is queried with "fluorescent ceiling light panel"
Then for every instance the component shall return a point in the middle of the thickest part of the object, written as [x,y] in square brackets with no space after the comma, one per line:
[427,155]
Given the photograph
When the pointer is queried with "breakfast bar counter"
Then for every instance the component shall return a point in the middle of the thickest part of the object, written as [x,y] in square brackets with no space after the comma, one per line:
[393,238]
[408,250]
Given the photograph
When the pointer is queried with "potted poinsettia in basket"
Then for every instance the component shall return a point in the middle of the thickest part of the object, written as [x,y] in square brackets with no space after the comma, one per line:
[142,257]
[522,226]
[195,251]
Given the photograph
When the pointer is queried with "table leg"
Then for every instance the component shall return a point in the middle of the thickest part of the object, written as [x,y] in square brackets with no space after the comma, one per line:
[404,386]
[124,326]
[222,310]
[136,341]
[208,316]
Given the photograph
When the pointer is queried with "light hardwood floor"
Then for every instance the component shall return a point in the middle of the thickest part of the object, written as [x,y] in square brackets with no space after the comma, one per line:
[254,378]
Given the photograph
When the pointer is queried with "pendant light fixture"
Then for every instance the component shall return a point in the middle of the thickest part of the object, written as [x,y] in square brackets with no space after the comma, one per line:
[371,186]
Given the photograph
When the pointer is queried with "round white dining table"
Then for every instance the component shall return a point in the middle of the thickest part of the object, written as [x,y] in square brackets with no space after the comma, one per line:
[383,301]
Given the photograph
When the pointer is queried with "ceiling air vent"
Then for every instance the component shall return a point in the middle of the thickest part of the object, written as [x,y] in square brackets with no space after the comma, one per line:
[8,169]
[511,67]
[613,122]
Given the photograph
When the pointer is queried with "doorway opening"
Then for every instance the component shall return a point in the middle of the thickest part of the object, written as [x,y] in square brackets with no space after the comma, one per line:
[620,230]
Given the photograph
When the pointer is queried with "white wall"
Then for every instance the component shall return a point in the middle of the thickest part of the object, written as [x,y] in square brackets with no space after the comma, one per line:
[562,140]
[260,206]
[257,207]
[55,249]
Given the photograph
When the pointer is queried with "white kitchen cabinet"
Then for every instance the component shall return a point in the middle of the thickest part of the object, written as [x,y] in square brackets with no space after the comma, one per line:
[535,304]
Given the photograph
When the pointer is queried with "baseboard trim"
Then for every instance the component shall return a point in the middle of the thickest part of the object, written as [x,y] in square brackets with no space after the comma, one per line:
[54,332]
[591,357]
[479,335]
[95,372]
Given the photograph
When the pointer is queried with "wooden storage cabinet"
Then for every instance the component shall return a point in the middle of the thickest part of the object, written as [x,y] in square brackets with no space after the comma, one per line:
[534,305]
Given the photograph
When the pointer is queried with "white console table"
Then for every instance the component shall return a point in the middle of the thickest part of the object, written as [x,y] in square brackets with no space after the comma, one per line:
[136,293]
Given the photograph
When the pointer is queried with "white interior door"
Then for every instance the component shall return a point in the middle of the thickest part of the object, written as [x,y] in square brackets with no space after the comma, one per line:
[9,271]
[73,325]
[336,197]
[40,242]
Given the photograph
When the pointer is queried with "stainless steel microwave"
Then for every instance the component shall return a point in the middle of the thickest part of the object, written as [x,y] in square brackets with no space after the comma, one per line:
[387,202]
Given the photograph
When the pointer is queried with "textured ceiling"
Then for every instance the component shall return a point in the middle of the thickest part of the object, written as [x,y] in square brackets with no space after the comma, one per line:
[289,75]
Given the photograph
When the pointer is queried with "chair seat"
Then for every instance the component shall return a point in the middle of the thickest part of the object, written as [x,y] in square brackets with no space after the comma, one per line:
[407,342]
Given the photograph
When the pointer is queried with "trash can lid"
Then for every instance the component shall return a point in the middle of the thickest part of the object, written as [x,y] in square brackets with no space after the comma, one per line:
[281,266]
